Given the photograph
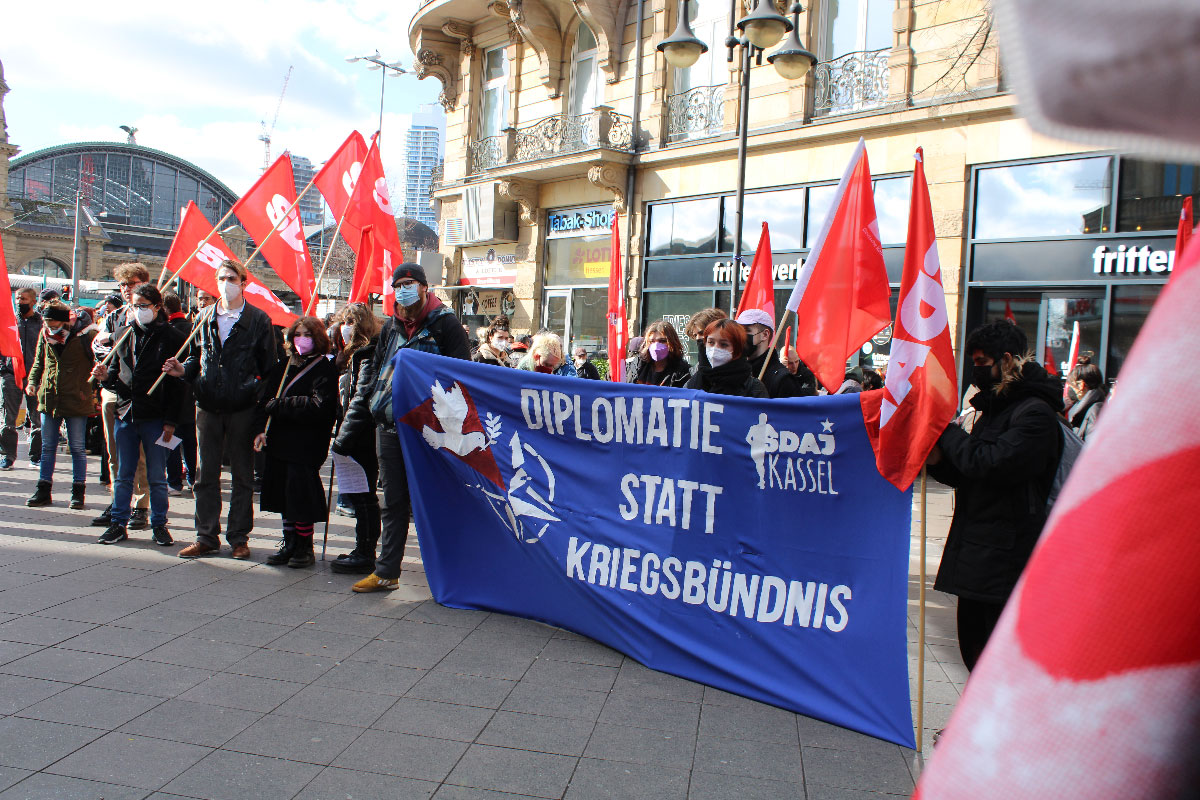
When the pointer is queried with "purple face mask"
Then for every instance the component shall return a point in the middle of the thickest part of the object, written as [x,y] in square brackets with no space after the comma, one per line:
[302,344]
[658,350]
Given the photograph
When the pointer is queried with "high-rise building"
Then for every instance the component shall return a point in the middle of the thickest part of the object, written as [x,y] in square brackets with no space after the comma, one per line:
[424,144]
[310,204]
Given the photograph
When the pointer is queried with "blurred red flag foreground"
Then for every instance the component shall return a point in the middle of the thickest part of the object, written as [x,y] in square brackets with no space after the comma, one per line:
[1090,685]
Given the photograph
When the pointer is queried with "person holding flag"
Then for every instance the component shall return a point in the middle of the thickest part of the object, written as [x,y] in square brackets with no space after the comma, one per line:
[234,348]
[764,359]
[12,385]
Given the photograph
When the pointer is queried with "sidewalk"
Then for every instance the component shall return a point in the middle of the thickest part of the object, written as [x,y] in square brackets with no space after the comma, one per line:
[126,672]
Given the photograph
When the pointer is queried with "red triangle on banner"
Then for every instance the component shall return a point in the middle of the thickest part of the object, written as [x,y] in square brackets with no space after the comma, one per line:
[480,460]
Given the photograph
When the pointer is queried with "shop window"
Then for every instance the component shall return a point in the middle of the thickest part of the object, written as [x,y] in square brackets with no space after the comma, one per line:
[820,200]
[585,83]
[783,211]
[686,228]
[1049,198]
[1151,194]
[893,196]
[45,268]
[1020,308]
[1130,307]
[1062,314]
[578,259]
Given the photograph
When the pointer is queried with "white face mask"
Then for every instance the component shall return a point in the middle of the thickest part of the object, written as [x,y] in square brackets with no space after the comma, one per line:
[144,316]
[230,291]
[718,357]
[347,333]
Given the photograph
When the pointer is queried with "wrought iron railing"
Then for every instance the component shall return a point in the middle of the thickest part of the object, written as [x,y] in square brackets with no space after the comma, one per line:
[696,113]
[485,154]
[559,135]
[853,82]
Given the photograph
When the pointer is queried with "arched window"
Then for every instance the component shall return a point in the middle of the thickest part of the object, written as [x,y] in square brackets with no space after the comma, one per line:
[585,83]
[45,268]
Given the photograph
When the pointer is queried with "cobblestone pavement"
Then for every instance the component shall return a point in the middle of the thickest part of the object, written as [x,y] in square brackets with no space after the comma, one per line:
[126,672]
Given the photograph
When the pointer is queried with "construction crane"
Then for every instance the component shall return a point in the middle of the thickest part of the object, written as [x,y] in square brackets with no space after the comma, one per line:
[265,138]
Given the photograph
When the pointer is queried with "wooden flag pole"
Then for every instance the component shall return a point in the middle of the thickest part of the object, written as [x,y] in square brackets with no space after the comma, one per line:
[204,241]
[112,352]
[200,321]
[278,393]
[774,342]
[921,623]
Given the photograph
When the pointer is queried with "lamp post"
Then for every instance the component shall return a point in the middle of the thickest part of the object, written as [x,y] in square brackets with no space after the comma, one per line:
[760,29]
[377,62]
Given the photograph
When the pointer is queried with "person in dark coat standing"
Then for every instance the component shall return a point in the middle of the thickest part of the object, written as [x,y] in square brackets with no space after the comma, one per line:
[185,454]
[300,400]
[142,417]
[495,347]
[1001,472]
[29,327]
[660,359]
[725,369]
[583,367]
[420,322]
[778,378]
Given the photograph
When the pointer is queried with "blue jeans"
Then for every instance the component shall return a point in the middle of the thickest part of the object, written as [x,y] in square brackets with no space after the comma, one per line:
[130,437]
[76,428]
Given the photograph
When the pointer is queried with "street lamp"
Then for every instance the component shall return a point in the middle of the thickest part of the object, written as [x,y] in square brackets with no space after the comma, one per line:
[761,28]
[377,62]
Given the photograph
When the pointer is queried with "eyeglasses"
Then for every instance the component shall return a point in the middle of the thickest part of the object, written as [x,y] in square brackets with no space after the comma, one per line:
[130,284]
[142,305]
[404,284]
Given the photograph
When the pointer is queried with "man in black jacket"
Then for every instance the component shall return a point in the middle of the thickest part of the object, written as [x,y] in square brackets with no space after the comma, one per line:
[29,325]
[420,322]
[233,349]
[780,382]
[1002,472]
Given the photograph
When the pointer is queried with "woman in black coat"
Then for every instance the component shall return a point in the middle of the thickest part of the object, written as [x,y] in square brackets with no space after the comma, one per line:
[727,371]
[659,360]
[300,414]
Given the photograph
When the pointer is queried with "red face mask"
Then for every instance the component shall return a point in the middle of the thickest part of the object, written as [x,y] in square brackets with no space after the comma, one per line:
[540,368]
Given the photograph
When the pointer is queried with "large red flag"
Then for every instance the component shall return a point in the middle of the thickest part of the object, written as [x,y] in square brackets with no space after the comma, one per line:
[10,336]
[618,334]
[841,295]
[1090,685]
[373,271]
[337,179]
[270,205]
[201,270]
[920,395]
[760,285]
[1184,234]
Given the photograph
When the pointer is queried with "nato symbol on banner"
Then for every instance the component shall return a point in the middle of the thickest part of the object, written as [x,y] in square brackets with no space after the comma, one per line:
[449,421]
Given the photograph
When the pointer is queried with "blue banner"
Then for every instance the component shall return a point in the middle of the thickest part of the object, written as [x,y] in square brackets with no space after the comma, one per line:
[747,544]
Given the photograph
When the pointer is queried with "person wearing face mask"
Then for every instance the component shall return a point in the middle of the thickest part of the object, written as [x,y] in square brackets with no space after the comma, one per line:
[697,324]
[60,377]
[727,370]
[1001,473]
[546,356]
[583,367]
[296,443]
[232,351]
[29,327]
[660,361]
[420,322]
[780,380]
[142,417]
[495,347]
[183,456]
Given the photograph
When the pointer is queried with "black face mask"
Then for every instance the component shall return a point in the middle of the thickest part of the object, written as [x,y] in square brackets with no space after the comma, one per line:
[982,378]
[23,308]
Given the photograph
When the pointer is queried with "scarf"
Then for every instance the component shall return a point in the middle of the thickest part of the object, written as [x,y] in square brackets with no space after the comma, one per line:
[412,326]
[728,378]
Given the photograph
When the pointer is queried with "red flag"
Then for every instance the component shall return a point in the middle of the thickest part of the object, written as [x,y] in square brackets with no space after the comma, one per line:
[373,271]
[760,285]
[1008,313]
[1186,228]
[1090,685]
[10,336]
[618,334]
[201,271]
[337,179]
[787,342]
[270,205]
[1048,362]
[841,296]
[920,394]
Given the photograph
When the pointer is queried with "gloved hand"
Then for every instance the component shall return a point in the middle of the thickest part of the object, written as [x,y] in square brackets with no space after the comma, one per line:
[272,405]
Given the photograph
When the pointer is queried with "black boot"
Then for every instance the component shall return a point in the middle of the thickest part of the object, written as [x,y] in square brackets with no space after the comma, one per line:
[361,560]
[105,518]
[302,552]
[284,553]
[41,495]
[77,495]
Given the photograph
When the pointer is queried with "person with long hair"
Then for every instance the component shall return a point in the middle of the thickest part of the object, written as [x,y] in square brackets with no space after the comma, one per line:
[660,360]
[727,371]
[1088,383]
[495,345]
[300,400]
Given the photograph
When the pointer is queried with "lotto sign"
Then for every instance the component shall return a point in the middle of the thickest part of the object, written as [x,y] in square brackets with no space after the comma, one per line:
[717,538]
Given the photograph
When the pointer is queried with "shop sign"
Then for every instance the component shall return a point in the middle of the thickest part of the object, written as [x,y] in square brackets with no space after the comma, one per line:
[489,303]
[579,221]
[717,271]
[1083,259]
[489,266]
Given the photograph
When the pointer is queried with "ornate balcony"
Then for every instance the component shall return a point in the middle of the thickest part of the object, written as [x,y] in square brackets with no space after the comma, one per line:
[849,83]
[696,113]
[560,135]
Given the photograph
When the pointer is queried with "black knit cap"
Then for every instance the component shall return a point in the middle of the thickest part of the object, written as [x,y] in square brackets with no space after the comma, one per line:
[413,271]
[57,313]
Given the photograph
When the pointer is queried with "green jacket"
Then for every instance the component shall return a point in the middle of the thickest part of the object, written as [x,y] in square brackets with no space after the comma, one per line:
[61,373]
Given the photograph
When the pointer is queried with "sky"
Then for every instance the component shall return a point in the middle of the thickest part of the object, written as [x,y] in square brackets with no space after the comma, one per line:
[197,80]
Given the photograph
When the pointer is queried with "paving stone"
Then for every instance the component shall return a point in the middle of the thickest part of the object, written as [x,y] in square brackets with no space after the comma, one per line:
[555,701]
[448,792]
[443,615]
[440,720]
[487,664]
[285,737]
[583,652]
[133,760]
[35,744]
[58,563]
[59,664]
[242,691]
[365,676]
[60,787]
[190,651]
[224,775]
[167,620]
[45,631]
[193,723]
[114,641]
[12,775]
[619,780]
[349,623]
[335,782]
[648,712]
[763,723]
[151,677]
[278,664]
[567,737]
[400,754]
[470,690]
[752,759]
[858,770]
[515,771]
[18,692]
[427,633]
[403,654]
[642,746]
[336,705]
[315,642]
[492,641]
[579,676]
[819,792]
[107,605]
[93,707]
[241,631]
[815,733]
[713,786]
